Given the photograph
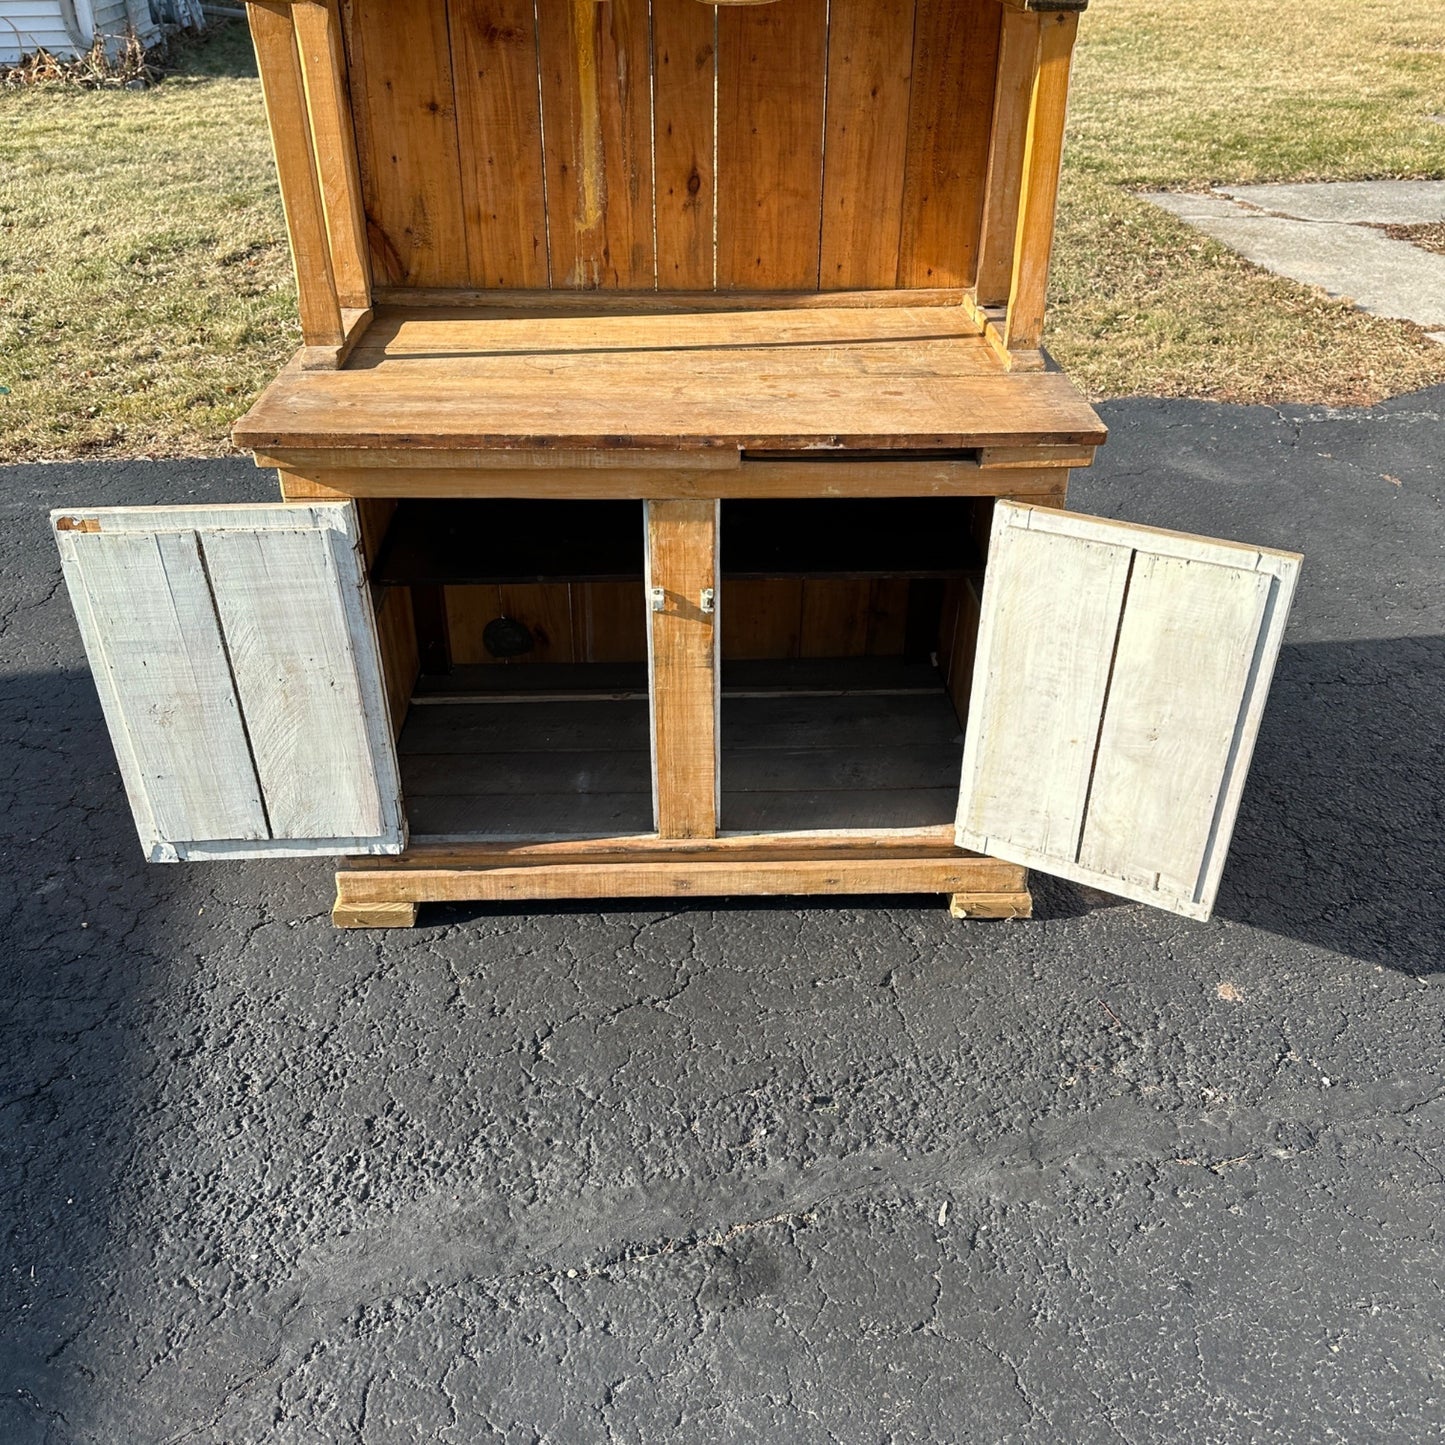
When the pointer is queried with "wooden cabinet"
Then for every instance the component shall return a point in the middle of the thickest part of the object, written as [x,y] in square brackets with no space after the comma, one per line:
[672,486]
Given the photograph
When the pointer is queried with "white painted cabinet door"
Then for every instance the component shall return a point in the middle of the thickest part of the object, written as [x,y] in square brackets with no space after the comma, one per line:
[235,652]
[1120,678]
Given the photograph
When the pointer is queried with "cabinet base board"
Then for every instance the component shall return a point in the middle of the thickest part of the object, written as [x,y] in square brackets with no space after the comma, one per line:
[992,905]
[381,893]
[372,915]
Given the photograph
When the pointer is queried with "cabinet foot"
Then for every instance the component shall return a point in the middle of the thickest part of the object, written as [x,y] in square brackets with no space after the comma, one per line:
[991,905]
[345,914]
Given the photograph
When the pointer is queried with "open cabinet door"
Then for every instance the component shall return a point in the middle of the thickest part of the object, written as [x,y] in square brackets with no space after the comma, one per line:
[235,653]
[1120,677]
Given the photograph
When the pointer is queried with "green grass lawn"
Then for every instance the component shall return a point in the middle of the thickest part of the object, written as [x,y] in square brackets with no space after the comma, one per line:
[145,286]
[146,294]
[1185,94]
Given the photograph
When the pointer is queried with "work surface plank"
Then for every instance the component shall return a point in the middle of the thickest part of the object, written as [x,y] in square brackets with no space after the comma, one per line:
[867,377]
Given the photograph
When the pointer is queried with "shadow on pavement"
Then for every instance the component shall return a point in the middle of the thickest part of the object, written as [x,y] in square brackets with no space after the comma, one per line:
[1341,838]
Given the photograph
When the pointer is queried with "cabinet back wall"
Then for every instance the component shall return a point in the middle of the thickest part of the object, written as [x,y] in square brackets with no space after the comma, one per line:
[574,144]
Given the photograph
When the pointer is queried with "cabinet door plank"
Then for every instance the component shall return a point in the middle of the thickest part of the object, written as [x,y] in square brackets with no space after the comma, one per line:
[1030,746]
[296,676]
[1184,654]
[160,666]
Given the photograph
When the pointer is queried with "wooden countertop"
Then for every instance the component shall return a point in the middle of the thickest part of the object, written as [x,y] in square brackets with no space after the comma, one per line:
[589,375]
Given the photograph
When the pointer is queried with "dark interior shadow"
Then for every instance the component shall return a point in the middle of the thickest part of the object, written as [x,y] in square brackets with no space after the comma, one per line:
[437,914]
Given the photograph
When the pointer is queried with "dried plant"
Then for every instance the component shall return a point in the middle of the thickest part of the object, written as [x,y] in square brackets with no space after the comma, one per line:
[132,65]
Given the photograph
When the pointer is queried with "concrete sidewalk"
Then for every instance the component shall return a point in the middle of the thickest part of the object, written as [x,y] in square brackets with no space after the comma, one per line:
[746,1172]
[1330,234]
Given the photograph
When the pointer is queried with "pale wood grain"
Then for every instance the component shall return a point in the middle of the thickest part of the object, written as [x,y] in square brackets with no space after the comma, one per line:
[1043,152]
[323,68]
[284,92]
[278,595]
[240,660]
[160,667]
[1046,638]
[682,653]
[1186,645]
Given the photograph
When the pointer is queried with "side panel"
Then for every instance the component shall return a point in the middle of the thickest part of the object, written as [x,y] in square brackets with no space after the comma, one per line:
[1118,687]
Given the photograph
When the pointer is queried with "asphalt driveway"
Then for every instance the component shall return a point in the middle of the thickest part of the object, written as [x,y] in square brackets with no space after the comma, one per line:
[748,1172]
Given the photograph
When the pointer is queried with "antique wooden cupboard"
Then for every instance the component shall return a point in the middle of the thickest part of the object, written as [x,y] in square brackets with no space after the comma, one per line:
[672,485]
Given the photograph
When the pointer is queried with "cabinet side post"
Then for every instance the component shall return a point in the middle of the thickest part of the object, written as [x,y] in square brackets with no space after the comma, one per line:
[1018,62]
[1043,152]
[283,89]
[682,654]
[323,71]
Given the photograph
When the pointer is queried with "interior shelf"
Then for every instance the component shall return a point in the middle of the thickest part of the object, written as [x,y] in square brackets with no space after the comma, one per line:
[459,543]
[556,750]
[559,681]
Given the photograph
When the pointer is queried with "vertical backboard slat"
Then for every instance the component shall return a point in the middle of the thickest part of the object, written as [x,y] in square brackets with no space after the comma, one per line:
[870,69]
[684,67]
[401,81]
[955,47]
[499,125]
[772,63]
[597,129]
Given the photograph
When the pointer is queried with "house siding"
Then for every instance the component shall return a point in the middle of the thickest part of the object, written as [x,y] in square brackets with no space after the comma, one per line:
[30,25]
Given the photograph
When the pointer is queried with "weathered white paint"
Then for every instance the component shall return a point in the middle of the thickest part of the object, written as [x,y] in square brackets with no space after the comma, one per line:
[235,652]
[68,28]
[1186,649]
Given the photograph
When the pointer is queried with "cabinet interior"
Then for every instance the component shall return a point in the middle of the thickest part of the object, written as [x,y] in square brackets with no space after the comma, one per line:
[847,630]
